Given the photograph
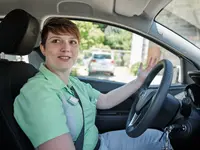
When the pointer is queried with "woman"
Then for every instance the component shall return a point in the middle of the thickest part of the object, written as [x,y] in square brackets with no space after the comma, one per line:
[48,112]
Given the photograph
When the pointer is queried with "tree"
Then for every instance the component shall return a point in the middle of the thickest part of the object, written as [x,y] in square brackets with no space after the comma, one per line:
[101,26]
[117,38]
[91,35]
[103,36]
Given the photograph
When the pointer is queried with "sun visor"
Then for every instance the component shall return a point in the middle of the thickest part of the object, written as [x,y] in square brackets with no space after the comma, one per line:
[130,8]
[78,7]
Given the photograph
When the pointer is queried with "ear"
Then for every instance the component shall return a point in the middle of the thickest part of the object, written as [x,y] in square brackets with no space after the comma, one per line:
[42,49]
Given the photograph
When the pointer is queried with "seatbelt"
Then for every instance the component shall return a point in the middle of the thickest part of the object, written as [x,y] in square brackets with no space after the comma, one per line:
[80,140]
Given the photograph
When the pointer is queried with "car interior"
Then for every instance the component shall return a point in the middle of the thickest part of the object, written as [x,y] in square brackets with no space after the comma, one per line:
[167,106]
[15,74]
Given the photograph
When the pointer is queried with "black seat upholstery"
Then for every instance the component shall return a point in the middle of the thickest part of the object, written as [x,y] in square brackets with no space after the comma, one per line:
[18,34]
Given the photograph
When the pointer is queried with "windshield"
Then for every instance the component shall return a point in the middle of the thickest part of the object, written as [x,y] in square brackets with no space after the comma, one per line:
[183,17]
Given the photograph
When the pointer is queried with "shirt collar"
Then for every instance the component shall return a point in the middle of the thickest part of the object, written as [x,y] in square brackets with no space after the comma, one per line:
[54,79]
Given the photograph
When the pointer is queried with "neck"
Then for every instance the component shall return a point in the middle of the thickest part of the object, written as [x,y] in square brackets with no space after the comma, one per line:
[63,75]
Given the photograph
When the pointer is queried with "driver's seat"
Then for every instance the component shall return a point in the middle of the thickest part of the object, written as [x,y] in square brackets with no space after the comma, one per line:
[18,35]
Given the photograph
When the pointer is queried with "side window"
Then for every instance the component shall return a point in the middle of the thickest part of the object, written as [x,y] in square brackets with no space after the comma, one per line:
[111,53]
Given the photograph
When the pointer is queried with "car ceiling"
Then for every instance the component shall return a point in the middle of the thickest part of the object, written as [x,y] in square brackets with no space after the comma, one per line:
[113,10]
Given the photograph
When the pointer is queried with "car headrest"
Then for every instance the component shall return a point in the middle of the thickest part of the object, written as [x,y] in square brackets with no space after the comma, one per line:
[18,33]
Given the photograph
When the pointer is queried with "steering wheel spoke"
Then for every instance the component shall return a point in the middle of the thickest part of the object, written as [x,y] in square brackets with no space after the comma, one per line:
[138,115]
[134,119]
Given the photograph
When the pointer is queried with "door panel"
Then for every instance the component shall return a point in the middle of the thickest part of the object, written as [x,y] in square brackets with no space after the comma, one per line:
[115,118]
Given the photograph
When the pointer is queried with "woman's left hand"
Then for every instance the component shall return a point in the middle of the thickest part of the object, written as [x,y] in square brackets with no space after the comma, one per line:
[143,72]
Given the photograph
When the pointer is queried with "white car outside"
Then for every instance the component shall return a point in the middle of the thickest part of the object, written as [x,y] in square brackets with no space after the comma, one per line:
[101,62]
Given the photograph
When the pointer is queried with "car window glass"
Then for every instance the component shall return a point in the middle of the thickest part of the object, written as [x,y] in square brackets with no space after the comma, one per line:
[111,53]
[102,56]
[183,17]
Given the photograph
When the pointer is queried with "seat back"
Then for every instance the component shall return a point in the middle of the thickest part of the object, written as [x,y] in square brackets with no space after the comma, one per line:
[18,34]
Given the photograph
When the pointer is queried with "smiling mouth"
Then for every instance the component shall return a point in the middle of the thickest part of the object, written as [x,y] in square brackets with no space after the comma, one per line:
[64,57]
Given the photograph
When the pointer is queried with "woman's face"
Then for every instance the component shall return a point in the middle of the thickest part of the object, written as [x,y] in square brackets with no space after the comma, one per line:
[61,51]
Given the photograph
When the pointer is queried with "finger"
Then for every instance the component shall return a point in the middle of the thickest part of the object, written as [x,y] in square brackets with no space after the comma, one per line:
[149,63]
[140,68]
[154,62]
[141,65]
[148,69]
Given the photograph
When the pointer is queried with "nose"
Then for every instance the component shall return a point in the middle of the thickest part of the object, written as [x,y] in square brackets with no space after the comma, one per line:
[65,46]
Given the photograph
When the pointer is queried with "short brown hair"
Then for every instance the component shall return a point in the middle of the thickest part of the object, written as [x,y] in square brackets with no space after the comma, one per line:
[59,25]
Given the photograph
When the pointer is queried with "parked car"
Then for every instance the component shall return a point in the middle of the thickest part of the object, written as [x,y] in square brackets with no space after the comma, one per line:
[101,62]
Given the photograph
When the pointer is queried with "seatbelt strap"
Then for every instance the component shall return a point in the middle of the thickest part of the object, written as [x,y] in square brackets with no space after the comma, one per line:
[80,140]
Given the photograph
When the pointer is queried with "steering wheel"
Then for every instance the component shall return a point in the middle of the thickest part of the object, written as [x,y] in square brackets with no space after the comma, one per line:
[148,103]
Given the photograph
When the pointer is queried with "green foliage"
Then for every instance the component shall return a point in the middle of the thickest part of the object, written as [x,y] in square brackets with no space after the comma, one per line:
[91,35]
[135,67]
[103,36]
[102,46]
[73,72]
[117,38]
[101,26]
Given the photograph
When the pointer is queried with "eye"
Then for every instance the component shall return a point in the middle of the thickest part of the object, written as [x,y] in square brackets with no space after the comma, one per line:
[56,41]
[73,42]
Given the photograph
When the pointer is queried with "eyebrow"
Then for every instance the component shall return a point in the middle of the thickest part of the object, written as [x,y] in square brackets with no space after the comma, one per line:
[60,37]
[54,37]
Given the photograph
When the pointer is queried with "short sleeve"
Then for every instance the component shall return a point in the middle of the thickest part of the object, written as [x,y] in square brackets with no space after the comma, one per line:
[93,93]
[39,112]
